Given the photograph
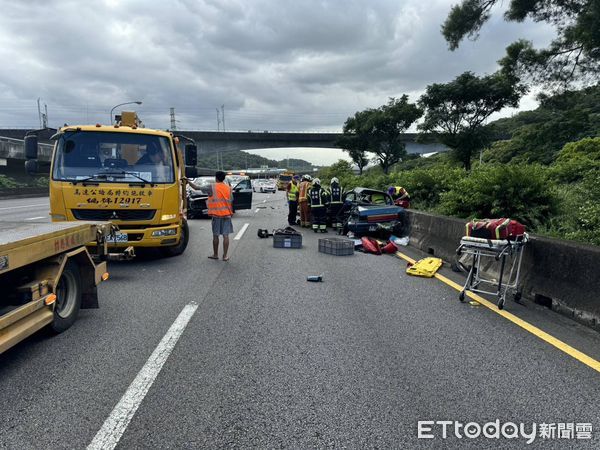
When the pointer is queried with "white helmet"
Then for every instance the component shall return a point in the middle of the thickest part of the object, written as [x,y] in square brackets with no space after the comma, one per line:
[335,180]
[306,177]
[317,181]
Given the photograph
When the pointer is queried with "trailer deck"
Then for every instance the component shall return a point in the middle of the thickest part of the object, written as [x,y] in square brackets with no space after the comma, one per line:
[47,275]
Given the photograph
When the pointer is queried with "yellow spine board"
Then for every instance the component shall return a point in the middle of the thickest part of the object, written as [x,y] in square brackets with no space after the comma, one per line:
[426,267]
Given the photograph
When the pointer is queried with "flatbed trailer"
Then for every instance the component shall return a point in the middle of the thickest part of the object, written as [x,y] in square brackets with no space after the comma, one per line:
[47,275]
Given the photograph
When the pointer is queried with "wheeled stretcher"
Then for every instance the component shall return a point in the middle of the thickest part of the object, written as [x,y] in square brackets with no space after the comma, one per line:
[509,253]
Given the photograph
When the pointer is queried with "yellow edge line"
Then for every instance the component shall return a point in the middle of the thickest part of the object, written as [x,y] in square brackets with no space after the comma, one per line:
[562,346]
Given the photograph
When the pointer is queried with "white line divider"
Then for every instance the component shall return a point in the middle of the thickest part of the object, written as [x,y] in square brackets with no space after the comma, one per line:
[241,232]
[257,210]
[36,218]
[115,425]
[24,206]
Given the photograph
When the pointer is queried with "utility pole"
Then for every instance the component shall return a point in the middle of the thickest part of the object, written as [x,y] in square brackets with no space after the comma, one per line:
[173,121]
[45,117]
[39,112]
[218,120]
[223,115]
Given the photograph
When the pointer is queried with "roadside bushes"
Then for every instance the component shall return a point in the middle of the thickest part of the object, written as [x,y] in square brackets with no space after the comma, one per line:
[8,183]
[519,192]
[425,186]
[579,214]
[531,194]
[576,159]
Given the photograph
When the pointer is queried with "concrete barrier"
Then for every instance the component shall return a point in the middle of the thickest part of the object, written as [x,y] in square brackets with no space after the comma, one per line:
[562,275]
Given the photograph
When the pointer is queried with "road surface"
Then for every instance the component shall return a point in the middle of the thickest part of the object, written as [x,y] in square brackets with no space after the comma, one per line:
[188,352]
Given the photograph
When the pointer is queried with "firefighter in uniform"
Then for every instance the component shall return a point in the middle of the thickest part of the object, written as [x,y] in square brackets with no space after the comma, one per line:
[317,198]
[292,193]
[303,203]
[336,194]
[398,193]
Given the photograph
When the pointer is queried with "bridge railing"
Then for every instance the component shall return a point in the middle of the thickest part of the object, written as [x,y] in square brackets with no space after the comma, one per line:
[11,148]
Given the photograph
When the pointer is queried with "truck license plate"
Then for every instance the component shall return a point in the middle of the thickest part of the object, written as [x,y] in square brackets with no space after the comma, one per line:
[118,237]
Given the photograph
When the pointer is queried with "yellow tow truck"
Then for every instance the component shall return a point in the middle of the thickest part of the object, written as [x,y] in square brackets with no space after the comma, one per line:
[47,275]
[126,174]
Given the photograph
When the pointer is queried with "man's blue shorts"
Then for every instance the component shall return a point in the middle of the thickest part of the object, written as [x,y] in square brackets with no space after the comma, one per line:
[222,225]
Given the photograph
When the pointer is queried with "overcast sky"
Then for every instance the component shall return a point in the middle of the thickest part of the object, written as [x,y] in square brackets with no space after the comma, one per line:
[276,65]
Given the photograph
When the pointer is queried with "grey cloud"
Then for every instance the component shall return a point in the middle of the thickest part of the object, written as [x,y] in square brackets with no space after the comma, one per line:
[275,64]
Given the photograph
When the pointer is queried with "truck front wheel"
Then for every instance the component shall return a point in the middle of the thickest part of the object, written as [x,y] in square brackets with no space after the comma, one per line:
[68,297]
[180,247]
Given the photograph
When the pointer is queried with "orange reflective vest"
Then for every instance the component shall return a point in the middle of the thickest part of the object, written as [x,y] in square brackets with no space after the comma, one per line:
[220,203]
[303,193]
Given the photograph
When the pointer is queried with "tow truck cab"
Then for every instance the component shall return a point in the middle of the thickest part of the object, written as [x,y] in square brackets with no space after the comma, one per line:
[126,174]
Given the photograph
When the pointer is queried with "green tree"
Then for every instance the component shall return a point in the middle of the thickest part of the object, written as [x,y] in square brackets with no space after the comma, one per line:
[573,55]
[355,139]
[386,126]
[455,112]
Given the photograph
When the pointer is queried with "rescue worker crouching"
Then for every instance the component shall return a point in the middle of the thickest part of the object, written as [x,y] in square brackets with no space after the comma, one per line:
[336,194]
[400,196]
[303,202]
[292,193]
[317,198]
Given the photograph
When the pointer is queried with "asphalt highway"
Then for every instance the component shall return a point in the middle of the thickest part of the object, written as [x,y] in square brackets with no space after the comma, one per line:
[189,352]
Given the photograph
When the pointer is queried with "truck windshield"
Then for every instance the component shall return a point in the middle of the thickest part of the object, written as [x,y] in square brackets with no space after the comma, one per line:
[113,158]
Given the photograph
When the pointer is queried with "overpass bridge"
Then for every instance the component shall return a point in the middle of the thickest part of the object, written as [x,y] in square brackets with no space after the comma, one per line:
[223,141]
[12,149]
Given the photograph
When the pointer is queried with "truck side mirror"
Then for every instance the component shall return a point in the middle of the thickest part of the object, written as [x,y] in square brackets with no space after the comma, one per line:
[31,146]
[31,154]
[191,171]
[191,155]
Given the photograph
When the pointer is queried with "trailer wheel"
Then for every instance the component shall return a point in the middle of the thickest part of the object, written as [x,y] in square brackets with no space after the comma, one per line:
[178,249]
[68,297]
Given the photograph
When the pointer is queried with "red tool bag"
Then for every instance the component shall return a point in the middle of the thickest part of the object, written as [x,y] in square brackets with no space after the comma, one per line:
[495,229]
[370,245]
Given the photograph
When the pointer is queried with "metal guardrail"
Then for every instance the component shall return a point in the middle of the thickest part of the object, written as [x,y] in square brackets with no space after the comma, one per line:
[15,149]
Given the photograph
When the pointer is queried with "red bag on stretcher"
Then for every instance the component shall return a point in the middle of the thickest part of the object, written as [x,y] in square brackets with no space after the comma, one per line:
[502,228]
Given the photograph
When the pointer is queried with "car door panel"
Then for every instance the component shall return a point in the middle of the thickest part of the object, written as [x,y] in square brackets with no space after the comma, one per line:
[242,195]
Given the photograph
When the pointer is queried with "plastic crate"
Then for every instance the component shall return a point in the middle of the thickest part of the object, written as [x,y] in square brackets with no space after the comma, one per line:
[336,246]
[287,241]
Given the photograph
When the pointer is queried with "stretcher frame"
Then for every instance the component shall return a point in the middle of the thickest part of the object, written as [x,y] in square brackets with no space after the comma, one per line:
[500,250]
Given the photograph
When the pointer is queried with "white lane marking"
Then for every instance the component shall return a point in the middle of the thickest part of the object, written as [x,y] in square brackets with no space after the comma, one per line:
[257,210]
[241,232]
[23,206]
[115,425]
[265,201]
[36,218]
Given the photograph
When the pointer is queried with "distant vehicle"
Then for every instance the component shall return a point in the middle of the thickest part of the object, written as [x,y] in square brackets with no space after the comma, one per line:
[264,186]
[283,180]
[365,210]
[196,199]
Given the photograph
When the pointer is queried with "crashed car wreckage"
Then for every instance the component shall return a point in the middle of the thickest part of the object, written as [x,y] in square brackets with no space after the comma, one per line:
[371,212]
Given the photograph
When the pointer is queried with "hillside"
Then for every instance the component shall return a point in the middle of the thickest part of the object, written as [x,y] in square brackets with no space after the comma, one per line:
[537,136]
[242,160]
